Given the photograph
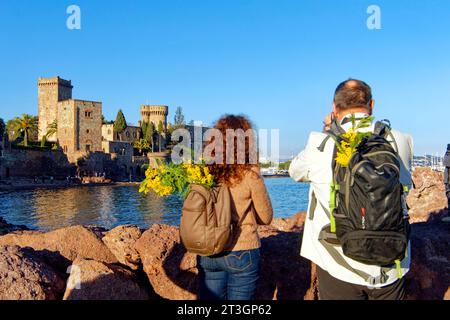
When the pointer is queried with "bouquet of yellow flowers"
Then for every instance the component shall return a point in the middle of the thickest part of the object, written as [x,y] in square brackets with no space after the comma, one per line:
[351,139]
[172,178]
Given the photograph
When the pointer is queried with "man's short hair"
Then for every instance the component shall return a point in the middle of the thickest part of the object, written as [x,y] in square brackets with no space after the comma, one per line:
[352,94]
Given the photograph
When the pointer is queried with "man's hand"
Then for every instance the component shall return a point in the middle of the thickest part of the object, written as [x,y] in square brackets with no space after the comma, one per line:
[327,122]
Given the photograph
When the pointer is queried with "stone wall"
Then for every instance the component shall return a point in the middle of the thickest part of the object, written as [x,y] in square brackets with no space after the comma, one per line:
[30,163]
[79,127]
[108,132]
[130,134]
[89,125]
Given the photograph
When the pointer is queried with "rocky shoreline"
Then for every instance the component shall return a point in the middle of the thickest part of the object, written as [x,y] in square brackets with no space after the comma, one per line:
[92,263]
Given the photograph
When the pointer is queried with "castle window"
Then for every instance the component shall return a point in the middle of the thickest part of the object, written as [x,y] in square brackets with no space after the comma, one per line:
[134,134]
[88,148]
[87,131]
[128,134]
[88,114]
[65,149]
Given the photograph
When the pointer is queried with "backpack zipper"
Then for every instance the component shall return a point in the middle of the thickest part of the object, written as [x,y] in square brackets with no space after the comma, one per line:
[363,217]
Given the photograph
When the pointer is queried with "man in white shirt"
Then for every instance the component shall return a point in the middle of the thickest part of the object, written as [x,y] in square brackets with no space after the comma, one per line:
[336,280]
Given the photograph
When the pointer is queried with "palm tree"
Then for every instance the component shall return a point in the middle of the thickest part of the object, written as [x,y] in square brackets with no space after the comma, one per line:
[25,125]
[141,144]
[51,130]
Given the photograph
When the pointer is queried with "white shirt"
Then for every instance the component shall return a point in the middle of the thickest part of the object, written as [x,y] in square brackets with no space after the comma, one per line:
[314,166]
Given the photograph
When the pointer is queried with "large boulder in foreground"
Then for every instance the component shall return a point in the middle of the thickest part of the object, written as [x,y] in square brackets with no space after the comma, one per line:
[94,280]
[170,269]
[174,275]
[285,275]
[428,197]
[25,276]
[61,247]
[120,241]
[429,276]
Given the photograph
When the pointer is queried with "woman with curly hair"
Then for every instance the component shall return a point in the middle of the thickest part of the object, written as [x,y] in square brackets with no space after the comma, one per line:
[233,274]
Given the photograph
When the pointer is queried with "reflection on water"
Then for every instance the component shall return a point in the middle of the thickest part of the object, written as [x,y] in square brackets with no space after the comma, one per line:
[109,206]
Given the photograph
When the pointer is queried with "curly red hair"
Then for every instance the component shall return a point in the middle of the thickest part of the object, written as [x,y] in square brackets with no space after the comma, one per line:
[232,172]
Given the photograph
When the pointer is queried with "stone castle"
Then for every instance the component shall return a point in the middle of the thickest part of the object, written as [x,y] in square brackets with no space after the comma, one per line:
[81,134]
[79,122]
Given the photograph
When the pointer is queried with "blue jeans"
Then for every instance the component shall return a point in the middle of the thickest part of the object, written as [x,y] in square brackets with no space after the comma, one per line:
[229,275]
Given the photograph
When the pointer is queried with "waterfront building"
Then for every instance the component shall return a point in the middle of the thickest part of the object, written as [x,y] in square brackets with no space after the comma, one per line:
[79,122]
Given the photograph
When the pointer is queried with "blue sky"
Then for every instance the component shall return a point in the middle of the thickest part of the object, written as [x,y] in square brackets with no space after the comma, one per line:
[277,61]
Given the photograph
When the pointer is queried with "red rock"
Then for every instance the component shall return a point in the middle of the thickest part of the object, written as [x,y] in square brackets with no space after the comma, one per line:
[294,223]
[428,197]
[285,275]
[94,280]
[60,247]
[429,276]
[171,271]
[120,241]
[25,276]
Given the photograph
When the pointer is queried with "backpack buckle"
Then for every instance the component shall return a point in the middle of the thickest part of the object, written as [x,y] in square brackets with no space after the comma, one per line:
[380,279]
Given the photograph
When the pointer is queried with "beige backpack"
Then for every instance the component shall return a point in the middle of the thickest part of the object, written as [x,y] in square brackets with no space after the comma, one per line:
[206,227]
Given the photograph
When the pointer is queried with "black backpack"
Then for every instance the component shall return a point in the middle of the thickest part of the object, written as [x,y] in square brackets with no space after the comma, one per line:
[368,212]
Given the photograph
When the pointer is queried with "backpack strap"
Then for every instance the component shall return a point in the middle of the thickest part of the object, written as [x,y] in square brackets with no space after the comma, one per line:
[313,206]
[335,132]
[336,255]
[383,128]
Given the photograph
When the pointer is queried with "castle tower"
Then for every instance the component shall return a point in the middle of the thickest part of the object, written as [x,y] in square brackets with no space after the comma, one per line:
[155,114]
[50,92]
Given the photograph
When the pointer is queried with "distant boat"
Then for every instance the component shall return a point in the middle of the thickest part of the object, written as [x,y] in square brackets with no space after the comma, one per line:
[274,172]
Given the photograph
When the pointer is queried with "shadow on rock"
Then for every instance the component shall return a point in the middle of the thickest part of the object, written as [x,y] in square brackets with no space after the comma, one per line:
[285,275]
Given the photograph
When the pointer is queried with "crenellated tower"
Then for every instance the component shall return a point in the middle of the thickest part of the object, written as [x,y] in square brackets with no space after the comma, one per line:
[155,114]
[50,92]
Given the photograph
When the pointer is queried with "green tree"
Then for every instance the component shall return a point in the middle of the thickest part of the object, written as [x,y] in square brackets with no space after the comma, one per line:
[141,144]
[11,130]
[51,130]
[160,132]
[144,128]
[24,126]
[2,128]
[266,164]
[150,134]
[284,165]
[120,124]
[179,120]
